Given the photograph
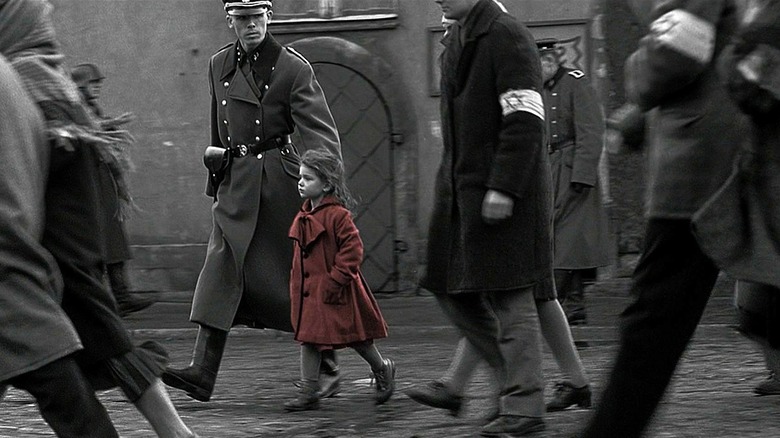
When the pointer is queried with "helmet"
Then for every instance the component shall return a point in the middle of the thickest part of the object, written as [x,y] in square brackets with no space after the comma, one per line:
[85,73]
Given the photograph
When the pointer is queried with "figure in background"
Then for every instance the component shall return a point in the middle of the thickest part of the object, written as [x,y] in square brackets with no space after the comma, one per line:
[575,140]
[73,214]
[740,226]
[37,340]
[114,194]
[260,93]
[693,134]
[490,243]
[332,306]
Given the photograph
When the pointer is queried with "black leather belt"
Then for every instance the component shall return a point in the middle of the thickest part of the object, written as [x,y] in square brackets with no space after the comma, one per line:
[553,147]
[242,150]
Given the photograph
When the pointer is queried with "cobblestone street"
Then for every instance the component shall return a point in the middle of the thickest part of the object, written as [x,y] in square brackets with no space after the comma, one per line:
[711,395]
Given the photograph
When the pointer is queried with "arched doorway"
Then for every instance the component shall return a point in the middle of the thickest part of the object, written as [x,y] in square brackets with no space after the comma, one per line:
[369,141]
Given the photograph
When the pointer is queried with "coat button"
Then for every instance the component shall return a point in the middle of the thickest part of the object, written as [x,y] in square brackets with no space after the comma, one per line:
[306,294]
[225,122]
[257,138]
[259,156]
[228,138]
[305,275]
[306,255]
[224,102]
[226,84]
[266,87]
[257,122]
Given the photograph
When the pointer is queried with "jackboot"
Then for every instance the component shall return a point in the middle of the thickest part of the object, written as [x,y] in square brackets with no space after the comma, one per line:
[308,397]
[126,302]
[197,380]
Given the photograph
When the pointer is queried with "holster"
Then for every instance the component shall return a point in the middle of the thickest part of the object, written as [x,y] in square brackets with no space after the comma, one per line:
[216,160]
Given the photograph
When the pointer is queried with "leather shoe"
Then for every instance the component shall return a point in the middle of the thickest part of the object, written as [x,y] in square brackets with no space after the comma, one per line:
[513,425]
[437,395]
[567,395]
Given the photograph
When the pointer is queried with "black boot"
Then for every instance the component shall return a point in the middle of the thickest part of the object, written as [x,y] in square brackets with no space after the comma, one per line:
[574,306]
[127,302]
[197,380]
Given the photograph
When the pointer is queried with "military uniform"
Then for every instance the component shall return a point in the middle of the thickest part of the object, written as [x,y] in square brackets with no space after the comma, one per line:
[575,133]
[257,100]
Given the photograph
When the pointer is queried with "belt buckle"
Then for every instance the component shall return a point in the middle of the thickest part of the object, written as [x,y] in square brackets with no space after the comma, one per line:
[242,150]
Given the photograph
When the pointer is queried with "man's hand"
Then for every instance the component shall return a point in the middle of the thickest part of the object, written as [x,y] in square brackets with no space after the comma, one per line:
[496,206]
[579,187]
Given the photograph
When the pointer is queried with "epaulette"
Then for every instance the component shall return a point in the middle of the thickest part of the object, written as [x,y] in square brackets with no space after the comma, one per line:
[577,74]
[297,53]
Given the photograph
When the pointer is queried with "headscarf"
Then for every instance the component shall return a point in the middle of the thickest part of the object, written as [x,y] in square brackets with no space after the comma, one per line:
[28,41]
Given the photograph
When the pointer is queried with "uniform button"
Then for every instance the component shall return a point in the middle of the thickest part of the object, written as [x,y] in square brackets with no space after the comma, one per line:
[224,102]
[226,84]
[257,122]
[554,122]
[228,138]
[259,156]
[555,107]
[555,94]
[224,121]
[266,87]
[257,138]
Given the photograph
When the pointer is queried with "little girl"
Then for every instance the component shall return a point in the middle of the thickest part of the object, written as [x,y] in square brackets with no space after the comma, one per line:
[331,304]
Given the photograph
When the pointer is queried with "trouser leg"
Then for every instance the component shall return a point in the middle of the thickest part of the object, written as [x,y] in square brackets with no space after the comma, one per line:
[504,328]
[66,401]
[671,286]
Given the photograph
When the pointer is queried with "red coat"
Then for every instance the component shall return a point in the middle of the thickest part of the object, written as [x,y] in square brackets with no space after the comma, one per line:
[331,303]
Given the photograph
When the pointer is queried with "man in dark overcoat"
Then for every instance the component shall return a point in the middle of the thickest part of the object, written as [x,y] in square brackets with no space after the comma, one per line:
[490,243]
[575,140]
[260,93]
[694,132]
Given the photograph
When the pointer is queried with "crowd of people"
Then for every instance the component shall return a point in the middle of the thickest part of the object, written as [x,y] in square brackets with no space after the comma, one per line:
[517,231]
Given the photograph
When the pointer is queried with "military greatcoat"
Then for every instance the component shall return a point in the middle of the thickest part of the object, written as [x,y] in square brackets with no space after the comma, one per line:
[575,138]
[245,277]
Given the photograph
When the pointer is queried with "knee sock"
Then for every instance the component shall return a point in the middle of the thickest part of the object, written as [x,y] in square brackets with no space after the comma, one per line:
[371,355]
[310,363]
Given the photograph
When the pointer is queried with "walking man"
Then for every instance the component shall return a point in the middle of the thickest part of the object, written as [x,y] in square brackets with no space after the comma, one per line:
[489,244]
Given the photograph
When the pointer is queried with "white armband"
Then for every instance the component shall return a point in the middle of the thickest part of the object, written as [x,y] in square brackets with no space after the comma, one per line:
[529,101]
[686,34]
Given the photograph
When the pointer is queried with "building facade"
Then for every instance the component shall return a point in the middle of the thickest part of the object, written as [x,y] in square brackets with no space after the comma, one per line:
[377,61]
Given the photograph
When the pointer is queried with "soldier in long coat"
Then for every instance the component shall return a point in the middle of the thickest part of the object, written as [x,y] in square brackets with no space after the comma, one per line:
[260,93]
[575,139]
[489,242]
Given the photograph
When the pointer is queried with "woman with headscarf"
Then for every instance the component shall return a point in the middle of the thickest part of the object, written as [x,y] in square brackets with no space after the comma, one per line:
[109,359]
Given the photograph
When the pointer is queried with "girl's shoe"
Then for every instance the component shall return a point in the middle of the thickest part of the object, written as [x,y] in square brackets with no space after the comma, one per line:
[385,381]
[308,398]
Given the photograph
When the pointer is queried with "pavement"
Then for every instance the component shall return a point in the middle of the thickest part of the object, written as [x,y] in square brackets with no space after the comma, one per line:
[711,395]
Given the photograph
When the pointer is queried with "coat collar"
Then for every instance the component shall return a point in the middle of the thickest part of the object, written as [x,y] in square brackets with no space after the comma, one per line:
[307,227]
[550,83]
[267,55]
[479,19]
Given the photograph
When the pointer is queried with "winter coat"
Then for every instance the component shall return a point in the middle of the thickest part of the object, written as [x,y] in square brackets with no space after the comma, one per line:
[34,331]
[575,136]
[245,277]
[739,227]
[331,302]
[492,124]
[694,129]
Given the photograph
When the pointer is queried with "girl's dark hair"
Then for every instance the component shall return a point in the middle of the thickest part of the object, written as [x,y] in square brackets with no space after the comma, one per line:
[329,167]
